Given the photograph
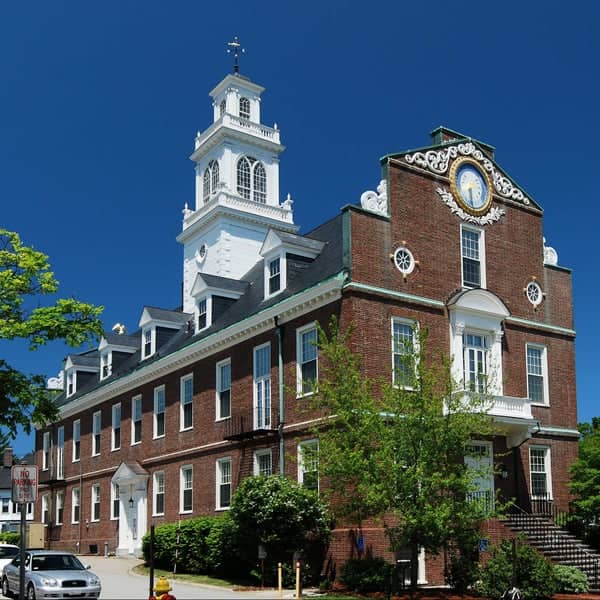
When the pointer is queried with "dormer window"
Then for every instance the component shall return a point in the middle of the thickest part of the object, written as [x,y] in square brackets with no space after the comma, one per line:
[244,108]
[70,383]
[202,314]
[105,365]
[251,179]
[210,180]
[148,339]
[274,276]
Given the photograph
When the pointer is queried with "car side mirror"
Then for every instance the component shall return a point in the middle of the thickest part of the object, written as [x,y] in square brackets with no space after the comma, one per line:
[88,566]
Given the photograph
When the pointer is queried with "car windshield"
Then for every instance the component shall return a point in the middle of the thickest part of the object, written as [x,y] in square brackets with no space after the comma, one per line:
[8,551]
[55,562]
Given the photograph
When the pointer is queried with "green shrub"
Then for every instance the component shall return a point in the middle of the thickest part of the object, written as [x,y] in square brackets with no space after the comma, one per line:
[534,574]
[366,574]
[570,580]
[10,537]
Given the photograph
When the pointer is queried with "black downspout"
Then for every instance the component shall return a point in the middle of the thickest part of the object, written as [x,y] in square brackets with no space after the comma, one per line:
[279,332]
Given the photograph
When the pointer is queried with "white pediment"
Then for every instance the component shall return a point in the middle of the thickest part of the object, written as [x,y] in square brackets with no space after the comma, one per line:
[128,473]
[479,301]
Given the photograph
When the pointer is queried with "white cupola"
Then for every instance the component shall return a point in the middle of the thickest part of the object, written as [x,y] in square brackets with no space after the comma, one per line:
[237,188]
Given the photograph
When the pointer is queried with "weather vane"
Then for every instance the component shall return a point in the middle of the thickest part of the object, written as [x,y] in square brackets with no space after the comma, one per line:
[236,48]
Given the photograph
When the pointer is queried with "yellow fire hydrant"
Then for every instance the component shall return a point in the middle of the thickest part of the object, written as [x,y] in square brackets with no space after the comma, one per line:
[162,589]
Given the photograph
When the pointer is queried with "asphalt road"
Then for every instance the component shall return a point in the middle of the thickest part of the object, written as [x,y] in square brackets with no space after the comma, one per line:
[119,583]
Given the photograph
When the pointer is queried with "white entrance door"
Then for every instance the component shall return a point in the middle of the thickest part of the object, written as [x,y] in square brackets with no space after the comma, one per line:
[479,460]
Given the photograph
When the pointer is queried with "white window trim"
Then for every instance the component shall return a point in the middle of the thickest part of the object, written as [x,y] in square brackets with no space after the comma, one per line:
[219,462]
[116,406]
[300,461]
[60,504]
[113,497]
[548,471]
[182,381]
[46,449]
[73,374]
[181,489]
[299,332]
[256,462]
[60,452]
[75,492]
[74,440]
[482,269]
[281,255]
[208,299]
[108,354]
[155,475]
[545,387]
[156,435]
[95,495]
[96,446]
[218,366]
[134,400]
[152,330]
[414,325]
[254,382]
[45,509]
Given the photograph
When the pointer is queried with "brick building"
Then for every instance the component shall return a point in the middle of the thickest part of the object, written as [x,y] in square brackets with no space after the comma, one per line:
[161,424]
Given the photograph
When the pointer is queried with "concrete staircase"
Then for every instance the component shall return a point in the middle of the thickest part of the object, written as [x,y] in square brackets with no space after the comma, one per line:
[557,544]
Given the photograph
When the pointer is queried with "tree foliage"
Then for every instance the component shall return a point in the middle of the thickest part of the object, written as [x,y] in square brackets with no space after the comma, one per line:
[25,277]
[585,481]
[399,450]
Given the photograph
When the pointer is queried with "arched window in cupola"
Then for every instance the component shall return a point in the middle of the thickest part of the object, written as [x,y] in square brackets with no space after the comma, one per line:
[251,179]
[244,108]
[222,108]
[210,180]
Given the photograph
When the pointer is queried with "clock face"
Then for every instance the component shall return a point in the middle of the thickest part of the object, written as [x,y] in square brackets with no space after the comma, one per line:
[471,186]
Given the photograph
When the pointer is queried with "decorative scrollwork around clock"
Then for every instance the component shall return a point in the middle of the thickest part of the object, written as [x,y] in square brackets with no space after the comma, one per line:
[493,215]
[437,161]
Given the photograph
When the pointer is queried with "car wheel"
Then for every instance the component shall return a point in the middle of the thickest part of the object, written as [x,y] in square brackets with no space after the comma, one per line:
[30,592]
[5,589]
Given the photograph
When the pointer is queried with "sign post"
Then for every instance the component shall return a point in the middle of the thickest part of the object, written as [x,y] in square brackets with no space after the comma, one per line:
[24,490]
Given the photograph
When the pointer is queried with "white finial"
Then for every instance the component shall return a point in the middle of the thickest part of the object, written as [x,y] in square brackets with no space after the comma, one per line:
[186,211]
[287,203]
[275,126]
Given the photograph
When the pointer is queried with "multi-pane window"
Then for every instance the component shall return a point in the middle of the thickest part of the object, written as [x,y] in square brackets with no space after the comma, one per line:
[159,411]
[60,507]
[60,452]
[262,387]
[223,483]
[306,359]
[536,374]
[202,314]
[539,465]
[274,275]
[70,383]
[186,402]
[210,180]
[115,501]
[222,107]
[75,499]
[46,451]
[46,508]
[475,358]
[105,366]
[5,505]
[244,108]
[403,353]
[186,482]
[147,347]
[116,427]
[95,508]
[96,431]
[308,464]
[76,440]
[251,179]
[263,462]
[136,420]
[158,505]
[224,389]
[472,257]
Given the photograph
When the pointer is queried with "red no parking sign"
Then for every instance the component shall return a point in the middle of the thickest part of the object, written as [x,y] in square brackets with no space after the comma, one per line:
[24,483]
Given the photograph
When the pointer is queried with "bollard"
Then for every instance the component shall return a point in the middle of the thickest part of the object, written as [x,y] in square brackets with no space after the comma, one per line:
[280,579]
[297,579]
[105,548]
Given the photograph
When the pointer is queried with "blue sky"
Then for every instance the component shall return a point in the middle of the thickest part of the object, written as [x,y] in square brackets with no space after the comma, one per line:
[100,103]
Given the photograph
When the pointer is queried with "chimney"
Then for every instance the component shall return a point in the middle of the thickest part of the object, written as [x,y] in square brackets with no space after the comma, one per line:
[8,457]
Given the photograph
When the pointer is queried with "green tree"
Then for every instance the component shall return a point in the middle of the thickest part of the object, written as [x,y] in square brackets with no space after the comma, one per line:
[585,482]
[399,450]
[25,277]
[281,516]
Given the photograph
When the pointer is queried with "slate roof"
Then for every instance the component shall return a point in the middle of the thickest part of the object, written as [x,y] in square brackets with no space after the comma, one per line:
[328,263]
[114,339]
[225,283]
[89,359]
[299,240]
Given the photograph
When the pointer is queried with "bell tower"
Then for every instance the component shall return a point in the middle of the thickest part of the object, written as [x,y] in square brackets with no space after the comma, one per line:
[237,187]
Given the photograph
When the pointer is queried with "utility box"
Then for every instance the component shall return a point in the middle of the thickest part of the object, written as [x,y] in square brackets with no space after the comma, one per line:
[34,537]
